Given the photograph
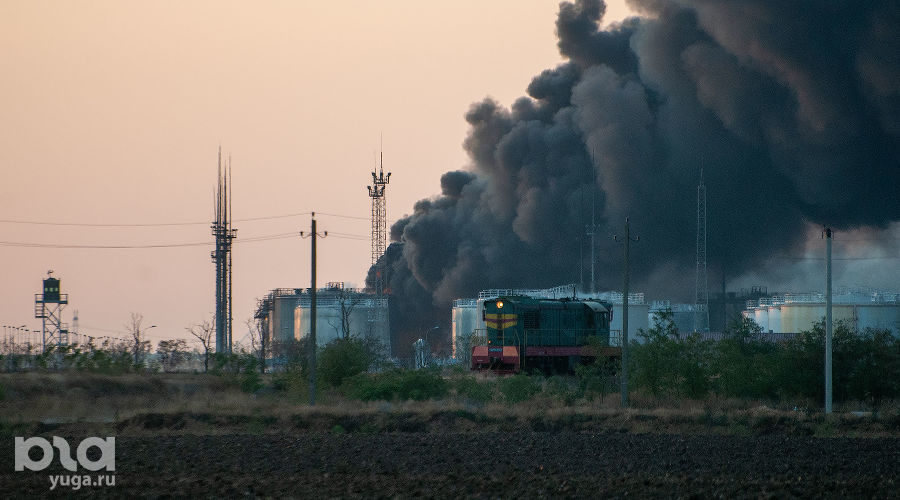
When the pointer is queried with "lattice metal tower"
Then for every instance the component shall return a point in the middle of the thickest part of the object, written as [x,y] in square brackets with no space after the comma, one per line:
[224,234]
[48,308]
[701,318]
[379,213]
[379,240]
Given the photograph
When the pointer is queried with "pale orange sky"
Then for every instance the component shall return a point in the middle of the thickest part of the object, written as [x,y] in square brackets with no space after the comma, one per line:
[113,111]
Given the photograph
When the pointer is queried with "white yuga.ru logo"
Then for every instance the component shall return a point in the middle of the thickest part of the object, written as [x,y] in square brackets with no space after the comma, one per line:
[107,454]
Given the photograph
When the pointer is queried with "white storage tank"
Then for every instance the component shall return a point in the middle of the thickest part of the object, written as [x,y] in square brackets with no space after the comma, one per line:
[794,313]
[465,319]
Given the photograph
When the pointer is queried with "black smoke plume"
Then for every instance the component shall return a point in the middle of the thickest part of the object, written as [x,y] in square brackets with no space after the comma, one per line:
[791,110]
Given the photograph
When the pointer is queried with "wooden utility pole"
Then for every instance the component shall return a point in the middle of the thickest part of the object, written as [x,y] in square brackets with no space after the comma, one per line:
[624,342]
[828,319]
[312,310]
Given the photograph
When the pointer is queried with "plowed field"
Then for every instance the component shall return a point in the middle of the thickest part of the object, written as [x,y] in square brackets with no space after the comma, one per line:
[485,465]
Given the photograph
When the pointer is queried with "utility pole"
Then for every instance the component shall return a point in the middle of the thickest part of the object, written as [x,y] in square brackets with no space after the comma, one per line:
[312,309]
[828,323]
[624,342]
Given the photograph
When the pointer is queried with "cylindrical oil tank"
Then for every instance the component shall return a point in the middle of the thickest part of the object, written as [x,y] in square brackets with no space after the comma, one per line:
[774,319]
[462,320]
[761,316]
[879,316]
[637,320]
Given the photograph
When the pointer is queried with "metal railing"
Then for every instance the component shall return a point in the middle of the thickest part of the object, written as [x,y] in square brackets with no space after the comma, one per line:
[557,292]
[848,296]
[636,298]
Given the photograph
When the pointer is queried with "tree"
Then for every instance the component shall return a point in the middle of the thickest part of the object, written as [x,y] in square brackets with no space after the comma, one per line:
[875,377]
[464,348]
[203,332]
[259,343]
[171,353]
[341,359]
[138,344]
[653,361]
[347,299]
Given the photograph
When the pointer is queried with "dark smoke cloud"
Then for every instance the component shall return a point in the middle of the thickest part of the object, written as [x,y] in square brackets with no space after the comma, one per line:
[791,109]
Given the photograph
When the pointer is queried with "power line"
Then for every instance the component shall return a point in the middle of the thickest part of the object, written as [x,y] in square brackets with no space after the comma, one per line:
[161,245]
[100,247]
[343,216]
[80,224]
[164,224]
[853,240]
[348,236]
[252,239]
[835,258]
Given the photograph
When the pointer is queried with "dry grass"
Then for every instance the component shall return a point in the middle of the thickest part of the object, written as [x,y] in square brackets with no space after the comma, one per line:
[85,397]
[205,404]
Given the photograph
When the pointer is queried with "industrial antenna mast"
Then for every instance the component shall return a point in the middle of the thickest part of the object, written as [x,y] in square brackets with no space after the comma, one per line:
[379,241]
[48,308]
[591,231]
[701,317]
[224,234]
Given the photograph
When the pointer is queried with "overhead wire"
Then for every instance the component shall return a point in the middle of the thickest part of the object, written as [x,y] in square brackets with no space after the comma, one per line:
[251,239]
[165,224]
[779,257]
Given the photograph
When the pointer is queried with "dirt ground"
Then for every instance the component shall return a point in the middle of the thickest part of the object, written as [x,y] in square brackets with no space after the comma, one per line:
[484,465]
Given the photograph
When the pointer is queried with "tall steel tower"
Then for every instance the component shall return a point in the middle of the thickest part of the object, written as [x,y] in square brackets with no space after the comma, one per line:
[48,308]
[223,232]
[701,318]
[379,241]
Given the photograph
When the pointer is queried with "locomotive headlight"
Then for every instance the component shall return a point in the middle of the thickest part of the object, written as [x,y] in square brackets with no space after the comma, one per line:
[499,304]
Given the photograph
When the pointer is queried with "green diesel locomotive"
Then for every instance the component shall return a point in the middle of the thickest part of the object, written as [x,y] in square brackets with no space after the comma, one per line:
[550,335]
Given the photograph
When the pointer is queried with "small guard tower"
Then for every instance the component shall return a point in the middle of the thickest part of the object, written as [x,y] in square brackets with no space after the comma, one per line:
[48,308]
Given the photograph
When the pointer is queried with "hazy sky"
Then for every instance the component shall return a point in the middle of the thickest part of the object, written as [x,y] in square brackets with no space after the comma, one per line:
[113,112]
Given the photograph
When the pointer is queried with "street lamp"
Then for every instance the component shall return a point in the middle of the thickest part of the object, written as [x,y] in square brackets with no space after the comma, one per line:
[145,331]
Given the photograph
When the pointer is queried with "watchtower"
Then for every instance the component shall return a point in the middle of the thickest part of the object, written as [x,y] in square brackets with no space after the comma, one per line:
[48,307]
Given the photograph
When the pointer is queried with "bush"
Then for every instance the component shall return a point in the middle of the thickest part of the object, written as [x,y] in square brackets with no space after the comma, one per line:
[652,367]
[342,359]
[666,364]
[566,390]
[747,366]
[518,388]
[866,365]
[251,381]
[470,388]
[399,384]
[598,378]
[225,364]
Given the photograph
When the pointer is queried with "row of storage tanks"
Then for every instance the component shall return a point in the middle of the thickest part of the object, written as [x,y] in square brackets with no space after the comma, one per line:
[788,313]
[287,313]
[792,313]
